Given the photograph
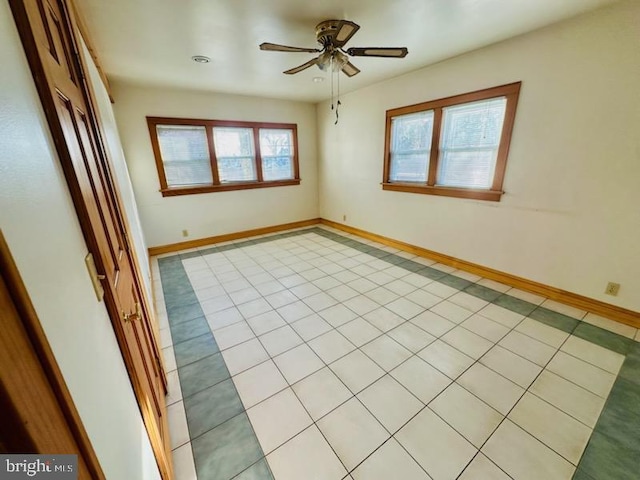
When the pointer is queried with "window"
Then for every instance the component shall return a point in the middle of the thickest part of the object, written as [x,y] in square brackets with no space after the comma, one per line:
[454,146]
[197,156]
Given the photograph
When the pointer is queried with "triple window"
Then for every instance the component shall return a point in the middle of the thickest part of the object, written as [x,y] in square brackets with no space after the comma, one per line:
[197,156]
[455,146]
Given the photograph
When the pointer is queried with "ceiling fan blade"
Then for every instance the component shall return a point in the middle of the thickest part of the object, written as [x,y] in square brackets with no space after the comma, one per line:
[350,69]
[399,52]
[274,47]
[302,67]
[344,32]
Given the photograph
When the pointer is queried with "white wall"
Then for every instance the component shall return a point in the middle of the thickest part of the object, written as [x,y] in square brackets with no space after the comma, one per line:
[571,214]
[41,228]
[120,172]
[209,214]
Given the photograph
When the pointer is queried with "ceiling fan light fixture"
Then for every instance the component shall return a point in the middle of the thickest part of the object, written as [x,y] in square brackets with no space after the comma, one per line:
[200,59]
[324,61]
[339,61]
[332,35]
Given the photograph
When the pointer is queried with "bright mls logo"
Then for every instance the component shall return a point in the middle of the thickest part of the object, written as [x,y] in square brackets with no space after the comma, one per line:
[39,467]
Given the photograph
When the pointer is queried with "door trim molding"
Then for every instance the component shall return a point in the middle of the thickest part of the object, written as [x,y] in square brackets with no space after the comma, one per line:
[40,347]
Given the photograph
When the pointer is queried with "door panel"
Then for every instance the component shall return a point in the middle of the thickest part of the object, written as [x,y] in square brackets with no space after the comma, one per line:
[107,213]
[46,29]
[89,192]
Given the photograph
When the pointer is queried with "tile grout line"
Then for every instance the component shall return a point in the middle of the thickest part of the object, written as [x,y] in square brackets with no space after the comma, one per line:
[191,439]
[383,333]
[635,350]
[353,396]
[391,265]
[505,417]
[392,434]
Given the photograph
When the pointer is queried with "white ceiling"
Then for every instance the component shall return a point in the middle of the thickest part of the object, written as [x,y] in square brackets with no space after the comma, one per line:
[152,41]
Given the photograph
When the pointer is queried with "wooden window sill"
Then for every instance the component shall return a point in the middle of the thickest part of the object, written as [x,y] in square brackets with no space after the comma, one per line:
[226,187]
[489,195]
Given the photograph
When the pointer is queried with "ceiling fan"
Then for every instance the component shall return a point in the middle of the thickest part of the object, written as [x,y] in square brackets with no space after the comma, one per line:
[332,35]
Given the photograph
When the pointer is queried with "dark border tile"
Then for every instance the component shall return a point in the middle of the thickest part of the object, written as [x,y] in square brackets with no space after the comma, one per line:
[480,291]
[211,407]
[580,475]
[203,373]
[604,458]
[631,367]
[515,304]
[554,319]
[258,471]
[194,349]
[183,313]
[432,273]
[411,265]
[455,282]
[620,418]
[209,251]
[227,450]
[176,297]
[186,256]
[184,331]
[604,338]
[394,259]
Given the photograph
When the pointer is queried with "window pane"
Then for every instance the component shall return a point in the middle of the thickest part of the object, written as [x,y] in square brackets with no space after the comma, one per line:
[410,147]
[235,155]
[469,143]
[185,155]
[472,169]
[276,150]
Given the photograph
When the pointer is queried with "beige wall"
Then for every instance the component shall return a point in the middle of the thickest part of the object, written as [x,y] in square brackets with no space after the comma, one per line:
[571,214]
[39,222]
[208,214]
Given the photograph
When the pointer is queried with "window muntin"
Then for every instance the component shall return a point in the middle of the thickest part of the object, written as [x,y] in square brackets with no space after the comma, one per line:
[197,156]
[466,143]
[276,151]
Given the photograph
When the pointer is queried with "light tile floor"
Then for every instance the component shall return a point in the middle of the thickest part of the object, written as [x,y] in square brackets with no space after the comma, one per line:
[319,355]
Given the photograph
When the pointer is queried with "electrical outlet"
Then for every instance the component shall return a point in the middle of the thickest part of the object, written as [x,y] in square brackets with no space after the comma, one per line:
[344,218]
[612,289]
[185,233]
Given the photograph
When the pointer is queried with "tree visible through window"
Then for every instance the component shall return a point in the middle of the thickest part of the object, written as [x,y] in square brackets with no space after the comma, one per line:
[235,154]
[276,149]
[455,146]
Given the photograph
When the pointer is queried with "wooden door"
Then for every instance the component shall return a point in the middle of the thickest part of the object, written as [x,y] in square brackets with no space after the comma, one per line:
[47,31]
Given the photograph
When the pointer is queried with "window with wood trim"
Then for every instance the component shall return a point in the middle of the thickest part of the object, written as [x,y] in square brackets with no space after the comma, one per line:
[455,146]
[198,156]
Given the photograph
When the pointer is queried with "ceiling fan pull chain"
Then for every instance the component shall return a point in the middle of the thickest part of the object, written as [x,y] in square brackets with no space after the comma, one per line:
[338,102]
[331,76]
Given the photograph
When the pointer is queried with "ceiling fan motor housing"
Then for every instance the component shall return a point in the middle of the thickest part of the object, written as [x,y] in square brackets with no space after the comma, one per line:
[326,32]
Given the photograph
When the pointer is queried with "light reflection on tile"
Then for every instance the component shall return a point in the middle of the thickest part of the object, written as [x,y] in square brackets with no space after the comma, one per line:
[260,296]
